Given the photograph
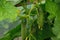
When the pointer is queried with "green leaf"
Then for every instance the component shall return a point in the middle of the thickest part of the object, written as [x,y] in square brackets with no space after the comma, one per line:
[51,8]
[7,11]
[57,1]
[56,28]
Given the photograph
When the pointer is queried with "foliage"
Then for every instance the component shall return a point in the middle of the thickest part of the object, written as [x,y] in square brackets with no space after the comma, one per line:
[7,11]
[40,19]
[9,35]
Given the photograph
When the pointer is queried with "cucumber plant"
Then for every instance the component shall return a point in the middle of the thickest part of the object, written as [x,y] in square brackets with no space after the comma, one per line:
[40,19]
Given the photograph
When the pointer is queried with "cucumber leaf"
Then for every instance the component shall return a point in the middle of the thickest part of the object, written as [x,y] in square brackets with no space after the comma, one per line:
[7,11]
